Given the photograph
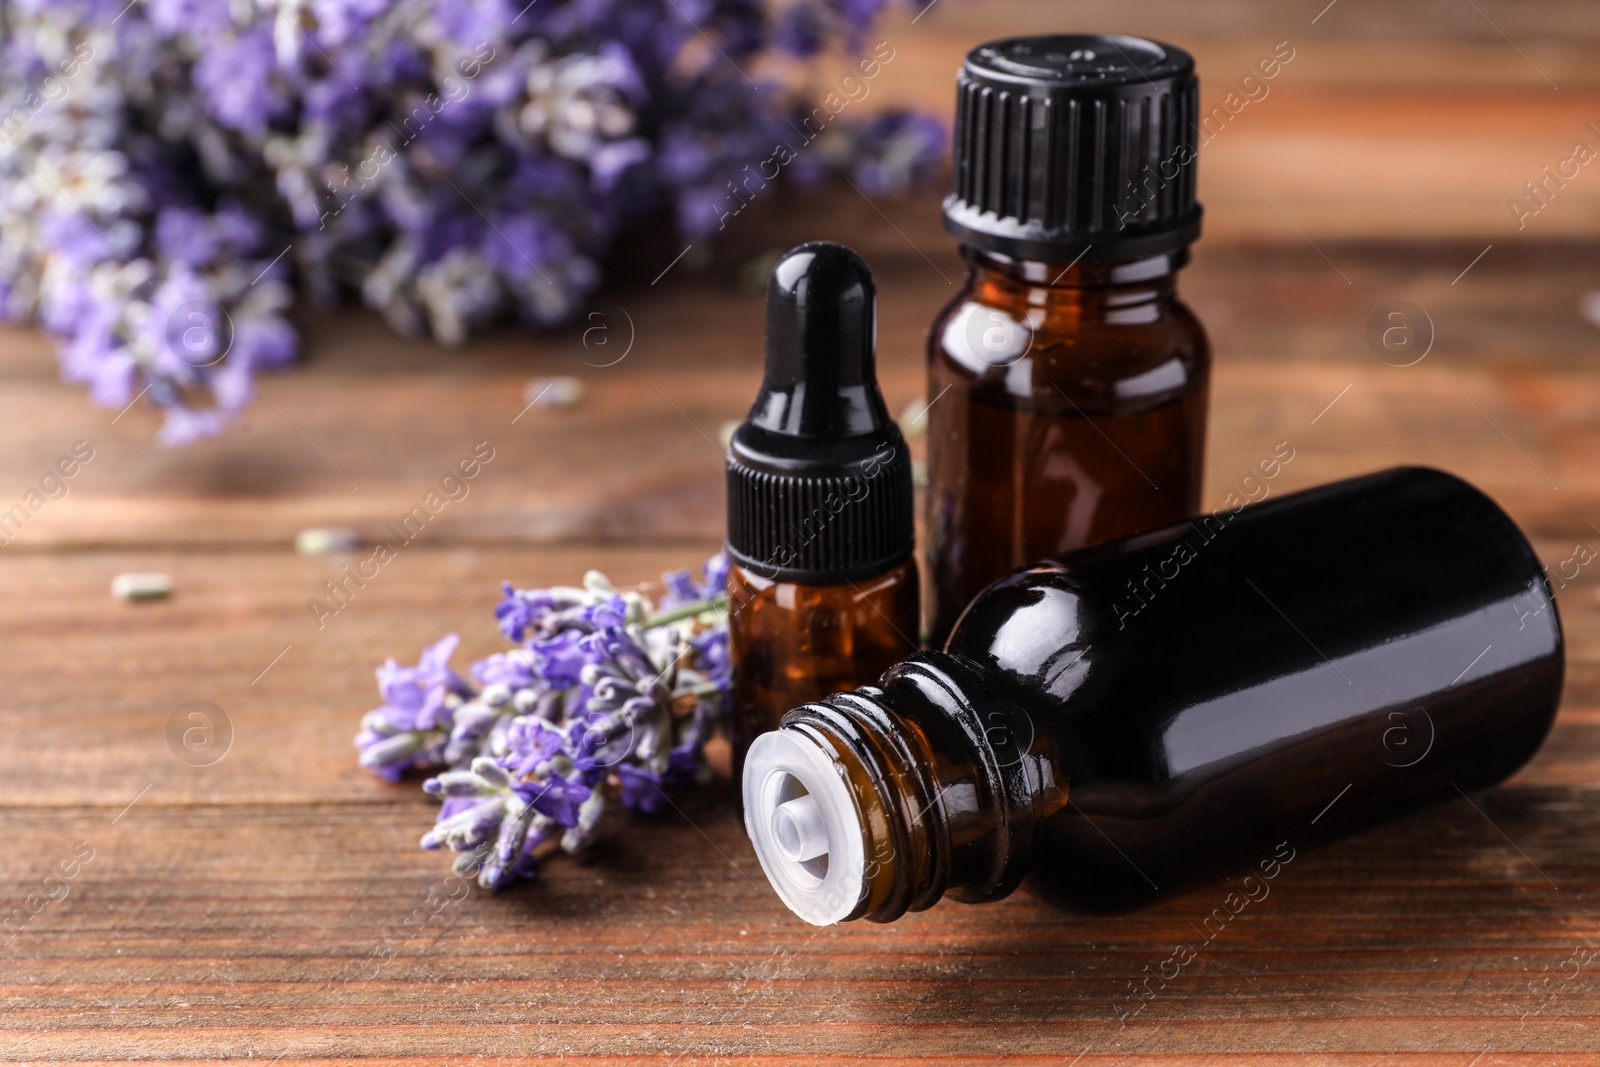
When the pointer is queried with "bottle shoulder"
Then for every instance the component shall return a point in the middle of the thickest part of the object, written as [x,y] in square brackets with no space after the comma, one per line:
[1105,350]
[1037,631]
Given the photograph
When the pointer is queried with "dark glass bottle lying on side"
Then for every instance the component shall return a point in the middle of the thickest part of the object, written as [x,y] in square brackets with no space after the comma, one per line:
[1174,706]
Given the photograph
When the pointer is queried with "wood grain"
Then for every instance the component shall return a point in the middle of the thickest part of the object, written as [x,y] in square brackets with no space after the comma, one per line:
[369,425]
[234,910]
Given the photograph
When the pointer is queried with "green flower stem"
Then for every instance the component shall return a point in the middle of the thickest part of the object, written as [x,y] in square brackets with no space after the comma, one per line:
[687,611]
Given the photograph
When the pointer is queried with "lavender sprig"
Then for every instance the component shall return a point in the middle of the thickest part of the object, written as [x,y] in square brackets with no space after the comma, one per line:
[607,696]
[176,173]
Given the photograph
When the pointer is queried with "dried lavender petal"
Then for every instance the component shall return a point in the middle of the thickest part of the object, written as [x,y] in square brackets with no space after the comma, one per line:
[141,585]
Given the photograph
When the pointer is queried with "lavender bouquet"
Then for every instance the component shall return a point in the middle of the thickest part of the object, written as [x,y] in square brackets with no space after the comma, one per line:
[176,172]
[605,695]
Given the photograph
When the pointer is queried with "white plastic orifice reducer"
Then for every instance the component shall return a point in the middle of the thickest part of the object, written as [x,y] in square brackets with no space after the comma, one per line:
[806,826]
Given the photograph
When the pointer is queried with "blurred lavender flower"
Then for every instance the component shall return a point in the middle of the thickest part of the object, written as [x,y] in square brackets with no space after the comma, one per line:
[683,589]
[685,594]
[169,169]
[607,697]
[418,713]
[889,154]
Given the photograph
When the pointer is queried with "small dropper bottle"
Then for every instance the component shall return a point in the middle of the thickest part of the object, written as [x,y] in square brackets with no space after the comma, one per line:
[822,586]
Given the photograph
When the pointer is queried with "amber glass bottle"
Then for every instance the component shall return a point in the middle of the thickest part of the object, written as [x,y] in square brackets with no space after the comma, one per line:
[822,586]
[796,642]
[1068,384]
[1191,702]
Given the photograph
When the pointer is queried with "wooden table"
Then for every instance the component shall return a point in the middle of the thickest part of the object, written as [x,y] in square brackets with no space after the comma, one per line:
[257,907]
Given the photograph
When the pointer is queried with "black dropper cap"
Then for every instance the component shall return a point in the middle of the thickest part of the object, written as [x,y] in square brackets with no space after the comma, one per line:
[1075,146]
[819,478]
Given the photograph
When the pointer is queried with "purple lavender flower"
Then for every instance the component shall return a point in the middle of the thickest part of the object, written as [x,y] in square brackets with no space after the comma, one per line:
[529,744]
[515,670]
[414,723]
[235,78]
[420,692]
[608,613]
[561,658]
[621,705]
[896,152]
[185,235]
[519,609]
[455,161]
[682,588]
[800,30]
[555,798]
[640,788]
[711,652]
[541,612]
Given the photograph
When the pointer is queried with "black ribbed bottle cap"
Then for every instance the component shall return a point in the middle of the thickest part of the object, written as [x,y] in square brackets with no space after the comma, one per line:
[1075,145]
[819,479]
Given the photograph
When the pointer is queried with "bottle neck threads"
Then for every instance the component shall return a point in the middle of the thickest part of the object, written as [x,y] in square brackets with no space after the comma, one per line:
[874,803]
